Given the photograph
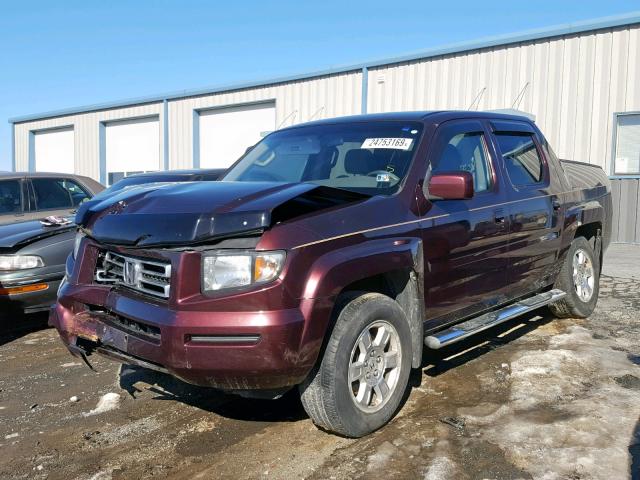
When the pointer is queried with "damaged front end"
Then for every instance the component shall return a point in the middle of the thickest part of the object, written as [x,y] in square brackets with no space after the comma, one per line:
[181,215]
[137,292]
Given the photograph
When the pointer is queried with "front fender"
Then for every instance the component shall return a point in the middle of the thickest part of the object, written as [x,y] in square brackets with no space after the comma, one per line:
[336,269]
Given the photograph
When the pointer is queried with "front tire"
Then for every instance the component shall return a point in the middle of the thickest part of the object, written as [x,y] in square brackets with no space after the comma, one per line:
[363,375]
[580,279]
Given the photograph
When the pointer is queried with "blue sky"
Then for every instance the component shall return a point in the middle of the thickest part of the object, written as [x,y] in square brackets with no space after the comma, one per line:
[62,54]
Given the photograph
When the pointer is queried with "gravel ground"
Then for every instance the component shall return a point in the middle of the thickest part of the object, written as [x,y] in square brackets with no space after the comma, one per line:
[536,398]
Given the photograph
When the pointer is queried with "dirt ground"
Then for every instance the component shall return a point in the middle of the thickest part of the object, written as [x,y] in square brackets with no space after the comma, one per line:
[537,398]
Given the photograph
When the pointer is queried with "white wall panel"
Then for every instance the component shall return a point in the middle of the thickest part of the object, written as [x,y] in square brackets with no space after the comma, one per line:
[54,150]
[226,133]
[132,146]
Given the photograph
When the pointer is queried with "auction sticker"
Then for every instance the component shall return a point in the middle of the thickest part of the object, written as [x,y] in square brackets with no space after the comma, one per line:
[395,143]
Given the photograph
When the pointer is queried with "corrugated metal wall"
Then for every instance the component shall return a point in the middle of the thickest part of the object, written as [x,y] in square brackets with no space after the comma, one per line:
[572,84]
[296,102]
[626,218]
[86,135]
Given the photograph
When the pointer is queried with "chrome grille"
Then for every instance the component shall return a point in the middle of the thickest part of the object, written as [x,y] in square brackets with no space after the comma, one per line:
[147,276]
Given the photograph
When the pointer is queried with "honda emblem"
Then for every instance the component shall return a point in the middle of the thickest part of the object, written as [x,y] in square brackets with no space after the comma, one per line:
[130,272]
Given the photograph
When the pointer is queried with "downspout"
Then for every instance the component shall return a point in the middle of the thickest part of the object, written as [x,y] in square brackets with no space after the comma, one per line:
[365,89]
[13,146]
[165,133]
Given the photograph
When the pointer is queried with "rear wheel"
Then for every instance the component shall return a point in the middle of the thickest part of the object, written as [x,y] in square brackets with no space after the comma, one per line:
[580,279]
[363,375]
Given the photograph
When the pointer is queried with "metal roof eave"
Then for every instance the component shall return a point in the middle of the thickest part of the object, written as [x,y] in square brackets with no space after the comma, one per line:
[487,42]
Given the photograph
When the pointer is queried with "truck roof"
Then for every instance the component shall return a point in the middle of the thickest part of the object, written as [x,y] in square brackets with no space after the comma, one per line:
[436,116]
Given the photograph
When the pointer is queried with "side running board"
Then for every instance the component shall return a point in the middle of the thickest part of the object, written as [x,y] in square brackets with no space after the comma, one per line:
[478,324]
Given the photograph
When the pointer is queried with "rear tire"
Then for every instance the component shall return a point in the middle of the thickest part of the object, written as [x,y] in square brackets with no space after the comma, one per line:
[580,279]
[362,377]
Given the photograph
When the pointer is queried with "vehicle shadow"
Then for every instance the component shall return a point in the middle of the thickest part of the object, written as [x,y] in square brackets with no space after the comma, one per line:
[15,326]
[287,408]
[438,362]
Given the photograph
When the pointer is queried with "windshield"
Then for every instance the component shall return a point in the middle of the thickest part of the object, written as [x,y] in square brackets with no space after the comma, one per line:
[370,158]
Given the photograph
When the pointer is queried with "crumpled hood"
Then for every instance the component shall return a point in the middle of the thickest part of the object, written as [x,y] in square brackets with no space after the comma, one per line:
[14,234]
[185,213]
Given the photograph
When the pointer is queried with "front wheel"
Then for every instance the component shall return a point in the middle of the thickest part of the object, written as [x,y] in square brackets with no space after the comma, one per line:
[363,375]
[580,279]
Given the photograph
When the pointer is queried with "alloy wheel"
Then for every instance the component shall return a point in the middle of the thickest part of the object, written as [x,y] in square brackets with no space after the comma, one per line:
[374,366]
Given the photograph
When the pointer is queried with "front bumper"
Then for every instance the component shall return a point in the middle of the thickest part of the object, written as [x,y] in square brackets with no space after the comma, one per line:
[30,302]
[225,350]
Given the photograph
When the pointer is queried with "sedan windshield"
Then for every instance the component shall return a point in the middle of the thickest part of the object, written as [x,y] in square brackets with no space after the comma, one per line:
[370,158]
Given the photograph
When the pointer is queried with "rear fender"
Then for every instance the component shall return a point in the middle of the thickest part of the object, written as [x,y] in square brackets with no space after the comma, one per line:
[579,215]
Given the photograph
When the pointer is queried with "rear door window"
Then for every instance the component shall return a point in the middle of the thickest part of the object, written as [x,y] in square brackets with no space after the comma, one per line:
[10,196]
[521,158]
[51,193]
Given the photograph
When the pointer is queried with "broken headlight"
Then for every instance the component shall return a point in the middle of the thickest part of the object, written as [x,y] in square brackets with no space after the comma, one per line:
[231,269]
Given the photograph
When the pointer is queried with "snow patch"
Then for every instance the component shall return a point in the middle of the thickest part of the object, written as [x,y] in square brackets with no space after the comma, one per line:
[102,475]
[565,409]
[547,376]
[71,364]
[109,401]
[383,453]
[440,469]
[11,435]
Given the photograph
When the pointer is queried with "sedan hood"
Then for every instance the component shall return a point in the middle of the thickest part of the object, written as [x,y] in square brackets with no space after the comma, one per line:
[189,213]
[17,234]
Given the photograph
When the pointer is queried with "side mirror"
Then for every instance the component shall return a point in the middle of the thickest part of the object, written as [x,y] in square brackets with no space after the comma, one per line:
[451,186]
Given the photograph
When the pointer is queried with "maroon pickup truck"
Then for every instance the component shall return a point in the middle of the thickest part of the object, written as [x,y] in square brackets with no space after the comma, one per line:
[332,253]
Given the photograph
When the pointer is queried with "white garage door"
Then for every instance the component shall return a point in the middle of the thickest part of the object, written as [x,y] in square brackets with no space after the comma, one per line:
[54,151]
[226,133]
[131,146]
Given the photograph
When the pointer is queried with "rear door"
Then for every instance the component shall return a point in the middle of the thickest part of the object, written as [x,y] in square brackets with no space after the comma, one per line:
[465,241]
[12,201]
[534,209]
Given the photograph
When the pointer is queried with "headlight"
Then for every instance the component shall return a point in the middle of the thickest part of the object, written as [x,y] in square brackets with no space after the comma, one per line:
[76,243]
[19,262]
[222,270]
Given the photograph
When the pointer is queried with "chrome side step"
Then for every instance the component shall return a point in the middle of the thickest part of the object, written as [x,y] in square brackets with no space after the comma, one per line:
[478,324]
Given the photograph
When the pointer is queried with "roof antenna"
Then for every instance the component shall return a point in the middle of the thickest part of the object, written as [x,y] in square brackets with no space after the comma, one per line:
[316,113]
[477,99]
[516,102]
[292,114]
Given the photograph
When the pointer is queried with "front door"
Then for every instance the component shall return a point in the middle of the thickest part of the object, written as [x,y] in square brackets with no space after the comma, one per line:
[465,241]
